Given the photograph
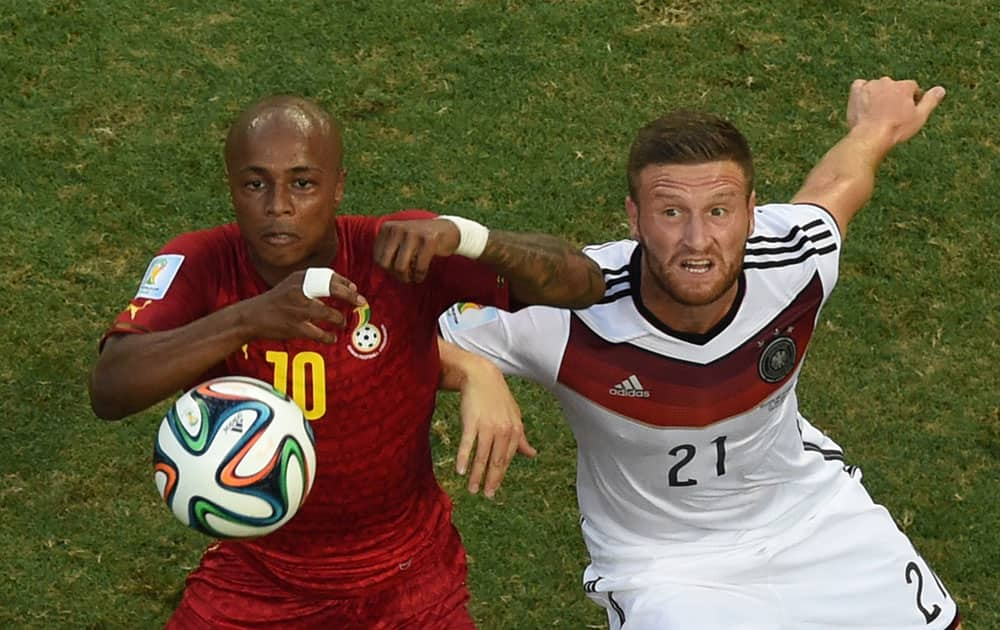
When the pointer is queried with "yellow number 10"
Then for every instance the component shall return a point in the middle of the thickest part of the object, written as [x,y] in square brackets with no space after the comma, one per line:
[300,362]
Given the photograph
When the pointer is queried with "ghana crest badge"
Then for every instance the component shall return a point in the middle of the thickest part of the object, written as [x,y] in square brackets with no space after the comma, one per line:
[367,339]
[777,360]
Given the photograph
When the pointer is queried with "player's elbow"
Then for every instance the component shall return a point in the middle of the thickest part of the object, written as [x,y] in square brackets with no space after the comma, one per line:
[592,295]
[104,401]
[588,289]
[106,409]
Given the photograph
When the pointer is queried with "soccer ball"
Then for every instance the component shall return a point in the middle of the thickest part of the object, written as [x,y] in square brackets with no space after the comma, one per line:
[234,458]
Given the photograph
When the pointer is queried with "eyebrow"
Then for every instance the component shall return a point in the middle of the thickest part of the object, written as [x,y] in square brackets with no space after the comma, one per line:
[720,194]
[295,169]
[726,193]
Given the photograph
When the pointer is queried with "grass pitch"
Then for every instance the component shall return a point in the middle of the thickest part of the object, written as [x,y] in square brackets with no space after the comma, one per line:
[519,114]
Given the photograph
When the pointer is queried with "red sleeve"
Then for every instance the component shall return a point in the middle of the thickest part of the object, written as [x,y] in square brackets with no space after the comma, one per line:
[460,279]
[457,279]
[410,214]
[177,287]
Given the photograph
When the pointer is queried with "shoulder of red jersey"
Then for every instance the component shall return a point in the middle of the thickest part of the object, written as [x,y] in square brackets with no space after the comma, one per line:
[192,258]
[191,248]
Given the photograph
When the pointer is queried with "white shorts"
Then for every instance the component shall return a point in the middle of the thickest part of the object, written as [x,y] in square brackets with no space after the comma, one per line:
[846,567]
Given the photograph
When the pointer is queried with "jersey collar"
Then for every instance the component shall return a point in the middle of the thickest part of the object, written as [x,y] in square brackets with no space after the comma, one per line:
[635,271]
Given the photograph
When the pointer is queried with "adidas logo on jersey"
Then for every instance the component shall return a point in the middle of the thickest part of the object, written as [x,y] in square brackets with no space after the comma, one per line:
[629,388]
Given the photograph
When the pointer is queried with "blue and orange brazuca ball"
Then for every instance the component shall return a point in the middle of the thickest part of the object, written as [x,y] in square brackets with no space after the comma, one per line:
[234,458]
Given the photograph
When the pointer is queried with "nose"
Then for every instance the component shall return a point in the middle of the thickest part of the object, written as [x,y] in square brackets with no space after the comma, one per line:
[279,201]
[696,232]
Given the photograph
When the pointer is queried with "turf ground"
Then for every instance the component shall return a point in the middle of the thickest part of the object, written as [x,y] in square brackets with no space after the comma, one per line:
[519,114]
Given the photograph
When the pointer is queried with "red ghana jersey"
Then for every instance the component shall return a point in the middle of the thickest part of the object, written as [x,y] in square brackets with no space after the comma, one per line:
[375,505]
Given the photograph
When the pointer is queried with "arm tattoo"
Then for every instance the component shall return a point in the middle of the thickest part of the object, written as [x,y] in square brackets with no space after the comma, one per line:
[544,269]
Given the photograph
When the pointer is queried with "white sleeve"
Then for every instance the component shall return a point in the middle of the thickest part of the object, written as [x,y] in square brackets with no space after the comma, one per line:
[802,234]
[828,243]
[529,343]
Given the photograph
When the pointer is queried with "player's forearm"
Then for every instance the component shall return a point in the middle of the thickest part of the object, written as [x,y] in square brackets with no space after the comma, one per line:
[458,366]
[135,371]
[844,179]
[544,269]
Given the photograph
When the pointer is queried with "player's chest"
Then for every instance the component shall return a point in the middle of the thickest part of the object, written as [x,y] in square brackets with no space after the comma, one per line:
[667,382]
[378,351]
[664,457]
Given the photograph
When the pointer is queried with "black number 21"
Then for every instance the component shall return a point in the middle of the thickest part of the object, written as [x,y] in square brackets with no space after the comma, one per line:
[687,453]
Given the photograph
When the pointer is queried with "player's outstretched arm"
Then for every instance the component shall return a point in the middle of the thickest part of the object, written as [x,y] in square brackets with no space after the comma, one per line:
[544,269]
[541,269]
[491,418]
[135,371]
[880,115]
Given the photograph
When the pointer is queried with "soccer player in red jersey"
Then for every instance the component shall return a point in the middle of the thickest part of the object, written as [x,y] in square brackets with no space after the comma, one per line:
[374,546]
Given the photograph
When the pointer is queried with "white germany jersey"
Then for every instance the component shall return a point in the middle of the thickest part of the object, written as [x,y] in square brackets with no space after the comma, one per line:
[682,437]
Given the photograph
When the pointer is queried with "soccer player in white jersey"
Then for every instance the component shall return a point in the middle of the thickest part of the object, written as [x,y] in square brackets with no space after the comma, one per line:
[707,501]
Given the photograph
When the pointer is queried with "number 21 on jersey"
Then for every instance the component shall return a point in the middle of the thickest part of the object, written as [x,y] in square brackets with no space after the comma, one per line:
[311,399]
[685,453]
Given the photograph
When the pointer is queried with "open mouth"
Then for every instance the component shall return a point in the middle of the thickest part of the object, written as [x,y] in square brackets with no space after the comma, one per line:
[278,239]
[697,266]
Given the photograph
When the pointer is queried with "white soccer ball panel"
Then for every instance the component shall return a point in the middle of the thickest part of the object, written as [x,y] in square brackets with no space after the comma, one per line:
[189,414]
[238,530]
[160,479]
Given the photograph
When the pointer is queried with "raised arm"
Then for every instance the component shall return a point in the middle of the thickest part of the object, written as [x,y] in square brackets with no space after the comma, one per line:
[880,114]
[540,268]
[491,418]
[137,370]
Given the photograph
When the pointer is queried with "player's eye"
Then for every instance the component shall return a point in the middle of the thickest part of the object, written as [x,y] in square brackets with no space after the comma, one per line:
[254,184]
[303,183]
[718,212]
[672,212]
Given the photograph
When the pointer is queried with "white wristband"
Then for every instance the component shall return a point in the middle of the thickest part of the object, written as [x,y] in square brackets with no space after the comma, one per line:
[317,282]
[472,236]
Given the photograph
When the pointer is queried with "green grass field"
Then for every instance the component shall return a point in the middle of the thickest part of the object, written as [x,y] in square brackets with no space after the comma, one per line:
[519,114]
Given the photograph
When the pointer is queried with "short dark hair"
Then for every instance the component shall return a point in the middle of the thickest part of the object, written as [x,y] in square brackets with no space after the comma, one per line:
[688,137]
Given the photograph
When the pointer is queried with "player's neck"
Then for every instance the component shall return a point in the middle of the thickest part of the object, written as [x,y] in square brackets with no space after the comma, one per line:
[686,318]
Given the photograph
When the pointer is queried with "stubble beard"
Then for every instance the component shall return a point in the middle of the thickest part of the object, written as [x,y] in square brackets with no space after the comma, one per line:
[660,272]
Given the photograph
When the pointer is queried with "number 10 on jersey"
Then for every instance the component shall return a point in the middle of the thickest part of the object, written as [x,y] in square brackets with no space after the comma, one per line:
[302,363]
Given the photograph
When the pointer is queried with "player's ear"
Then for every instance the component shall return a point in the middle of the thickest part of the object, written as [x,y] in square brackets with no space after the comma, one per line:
[633,216]
[752,209]
[338,192]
